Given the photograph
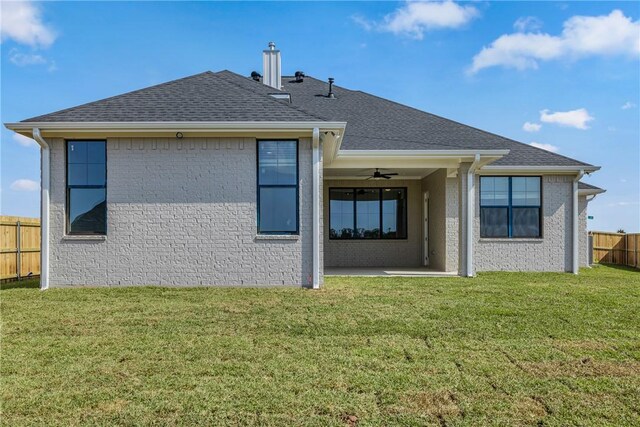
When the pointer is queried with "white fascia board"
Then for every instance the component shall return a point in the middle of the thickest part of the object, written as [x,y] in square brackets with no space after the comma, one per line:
[590,192]
[173,126]
[423,153]
[449,159]
[331,141]
[537,169]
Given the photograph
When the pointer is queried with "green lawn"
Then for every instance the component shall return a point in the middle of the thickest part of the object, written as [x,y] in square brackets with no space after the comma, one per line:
[501,349]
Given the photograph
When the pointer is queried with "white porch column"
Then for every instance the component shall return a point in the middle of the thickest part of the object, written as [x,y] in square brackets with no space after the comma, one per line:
[316,207]
[467,199]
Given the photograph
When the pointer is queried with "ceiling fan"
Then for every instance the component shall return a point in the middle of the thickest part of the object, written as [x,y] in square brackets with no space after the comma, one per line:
[379,175]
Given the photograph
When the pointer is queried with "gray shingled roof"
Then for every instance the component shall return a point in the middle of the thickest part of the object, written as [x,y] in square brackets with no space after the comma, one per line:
[201,97]
[373,123]
[585,186]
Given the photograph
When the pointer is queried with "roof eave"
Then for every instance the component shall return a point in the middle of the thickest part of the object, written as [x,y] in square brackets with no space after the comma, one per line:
[409,153]
[449,159]
[568,169]
[591,191]
[133,129]
[159,126]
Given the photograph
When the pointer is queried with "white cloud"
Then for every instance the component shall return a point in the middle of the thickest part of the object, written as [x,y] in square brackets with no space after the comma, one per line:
[574,118]
[582,36]
[547,147]
[628,105]
[623,204]
[24,141]
[25,59]
[25,185]
[22,59]
[363,22]
[527,23]
[531,127]
[413,19]
[22,22]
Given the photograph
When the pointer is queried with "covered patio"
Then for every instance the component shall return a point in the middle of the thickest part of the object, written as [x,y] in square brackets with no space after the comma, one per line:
[397,213]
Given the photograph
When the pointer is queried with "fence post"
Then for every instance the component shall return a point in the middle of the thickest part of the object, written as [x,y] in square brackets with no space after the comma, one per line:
[626,250]
[18,249]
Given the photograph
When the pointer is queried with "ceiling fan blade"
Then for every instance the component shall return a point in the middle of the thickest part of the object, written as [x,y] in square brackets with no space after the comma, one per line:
[369,178]
[386,176]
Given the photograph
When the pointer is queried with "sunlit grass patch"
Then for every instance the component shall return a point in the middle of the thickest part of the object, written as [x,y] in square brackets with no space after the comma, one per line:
[500,349]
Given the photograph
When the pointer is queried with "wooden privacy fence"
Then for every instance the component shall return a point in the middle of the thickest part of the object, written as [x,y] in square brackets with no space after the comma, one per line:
[19,247]
[616,248]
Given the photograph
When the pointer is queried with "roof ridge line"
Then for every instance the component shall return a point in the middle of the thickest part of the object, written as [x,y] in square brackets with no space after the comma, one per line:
[290,105]
[117,96]
[335,85]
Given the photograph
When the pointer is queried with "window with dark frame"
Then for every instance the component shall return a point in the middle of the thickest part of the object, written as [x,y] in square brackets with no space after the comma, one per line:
[278,187]
[86,187]
[367,213]
[511,206]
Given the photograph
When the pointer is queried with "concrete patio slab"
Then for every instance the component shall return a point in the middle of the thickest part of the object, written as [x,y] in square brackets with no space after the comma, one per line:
[390,271]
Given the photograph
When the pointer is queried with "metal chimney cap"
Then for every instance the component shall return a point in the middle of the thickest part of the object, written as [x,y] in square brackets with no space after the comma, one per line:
[272,46]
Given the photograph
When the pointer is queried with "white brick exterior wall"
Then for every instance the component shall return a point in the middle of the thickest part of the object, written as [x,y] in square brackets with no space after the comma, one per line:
[377,253]
[180,213]
[550,253]
[443,220]
[184,213]
[452,224]
[434,184]
[583,240]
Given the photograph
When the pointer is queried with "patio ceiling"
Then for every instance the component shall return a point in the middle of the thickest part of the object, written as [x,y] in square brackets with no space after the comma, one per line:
[364,173]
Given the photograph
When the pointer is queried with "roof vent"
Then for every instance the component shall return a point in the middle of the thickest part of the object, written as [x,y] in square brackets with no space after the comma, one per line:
[300,76]
[331,95]
[256,76]
[281,95]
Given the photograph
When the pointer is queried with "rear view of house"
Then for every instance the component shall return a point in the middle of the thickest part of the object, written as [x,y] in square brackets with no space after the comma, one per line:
[224,179]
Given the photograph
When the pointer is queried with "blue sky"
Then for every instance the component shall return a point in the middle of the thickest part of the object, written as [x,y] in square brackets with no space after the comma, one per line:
[565,75]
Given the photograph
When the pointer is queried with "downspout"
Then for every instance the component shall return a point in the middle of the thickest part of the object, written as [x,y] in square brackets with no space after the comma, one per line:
[575,226]
[470,214]
[316,207]
[587,249]
[44,208]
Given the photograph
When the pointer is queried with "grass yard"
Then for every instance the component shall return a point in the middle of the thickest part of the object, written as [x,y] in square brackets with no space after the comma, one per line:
[501,349]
